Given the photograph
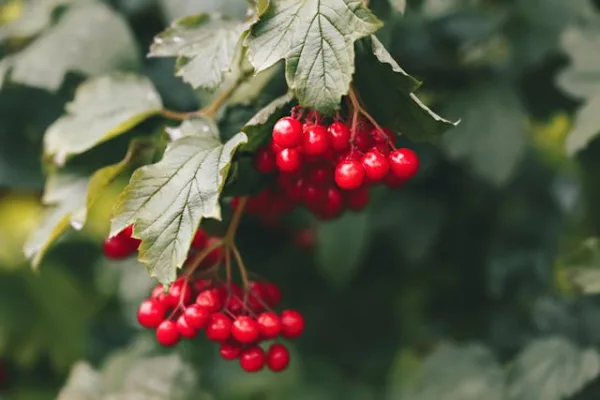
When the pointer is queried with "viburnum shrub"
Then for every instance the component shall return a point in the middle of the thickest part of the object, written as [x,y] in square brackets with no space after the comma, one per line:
[347,122]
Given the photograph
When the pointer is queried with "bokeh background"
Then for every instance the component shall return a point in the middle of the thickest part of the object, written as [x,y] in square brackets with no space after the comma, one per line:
[477,280]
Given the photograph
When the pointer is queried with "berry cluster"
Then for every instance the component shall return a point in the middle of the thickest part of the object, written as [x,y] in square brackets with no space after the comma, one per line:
[236,319]
[327,169]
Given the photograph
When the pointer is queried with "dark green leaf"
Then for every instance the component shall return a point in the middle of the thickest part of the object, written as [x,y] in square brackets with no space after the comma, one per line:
[73,45]
[455,373]
[103,108]
[386,91]
[205,46]
[491,139]
[582,79]
[167,201]
[316,39]
[552,369]
[341,246]
[260,126]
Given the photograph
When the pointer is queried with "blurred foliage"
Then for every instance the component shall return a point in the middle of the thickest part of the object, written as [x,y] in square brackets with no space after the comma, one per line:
[479,280]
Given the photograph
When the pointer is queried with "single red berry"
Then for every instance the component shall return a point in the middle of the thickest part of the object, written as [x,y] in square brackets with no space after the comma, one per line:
[264,161]
[376,165]
[278,357]
[404,163]
[202,284]
[363,140]
[386,135]
[292,324]
[315,140]
[196,316]
[159,294]
[314,196]
[272,294]
[256,296]
[116,248]
[184,328]
[320,174]
[339,136]
[180,292]
[349,174]
[126,236]
[333,206]
[229,351]
[151,313]
[295,192]
[209,300]
[234,304]
[214,256]
[268,325]
[357,199]
[167,334]
[199,240]
[287,133]
[252,359]
[289,160]
[218,328]
[244,329]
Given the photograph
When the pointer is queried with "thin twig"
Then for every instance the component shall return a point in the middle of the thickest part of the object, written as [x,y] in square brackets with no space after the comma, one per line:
[356,103]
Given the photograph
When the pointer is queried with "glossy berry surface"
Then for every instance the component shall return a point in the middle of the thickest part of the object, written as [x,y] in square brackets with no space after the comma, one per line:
[268,325]
[150,313]
[196,316]
[349,174]
[315,140]
[229,351]
[167,333]
[404,163]
[264,161]
[278,357]
[292,324]
[244,329]
[218,328]
[289,160]
[339,136]
[252,359]
[376,165]
[184,328]
[287,133]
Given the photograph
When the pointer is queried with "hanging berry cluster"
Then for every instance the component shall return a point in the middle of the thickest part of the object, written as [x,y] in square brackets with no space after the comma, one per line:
[328,168]
[238,318]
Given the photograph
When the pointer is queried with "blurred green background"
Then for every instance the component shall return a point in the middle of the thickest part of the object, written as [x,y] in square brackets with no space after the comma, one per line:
[476,281]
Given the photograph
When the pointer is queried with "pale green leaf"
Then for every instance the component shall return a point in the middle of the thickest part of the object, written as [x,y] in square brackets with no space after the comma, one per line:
[83,383]
[34,17]
[451,372]
[341,246]
[386,91]
[175,9]
[582,80]
[103,108]
[491,139]
[399,5]
[316,38]
[205,46]
[167,201]
[552,369]
[74,45]
[261,124]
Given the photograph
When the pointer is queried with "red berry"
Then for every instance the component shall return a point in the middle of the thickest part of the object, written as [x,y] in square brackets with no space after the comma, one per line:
[167,334]
[209,300]
[244,329]
[363,140]
[339,136]
[287,133]
[159,294]
[218,328]
[376,165]
[214,256]
[202,284]
[272,294]
[320,174]
[256,296]
[268,325]
[315,140]
[357,199]
[349,174]
[199,240]
[180,292]
[184,328]
[252,359]
[264,161]
[151,313]
[234,304]
[229,351]
[196,316]
[304,238]
[289,160]
[333,206]
[116,248]
[278,357]
[386,135]
[296,191]
[314,196]
[292,324]
[404,163]
[126,236]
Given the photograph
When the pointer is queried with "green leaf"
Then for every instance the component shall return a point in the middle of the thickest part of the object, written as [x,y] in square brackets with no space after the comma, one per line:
[552,369]
[398,5]
[386,91]
[103,108]
[175,9]
[34,17]
[341,246]
[316,39]
[261,124]
[205,46]
[582,80]
[491,140]
[74,45]
[451,372]
[167,201]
